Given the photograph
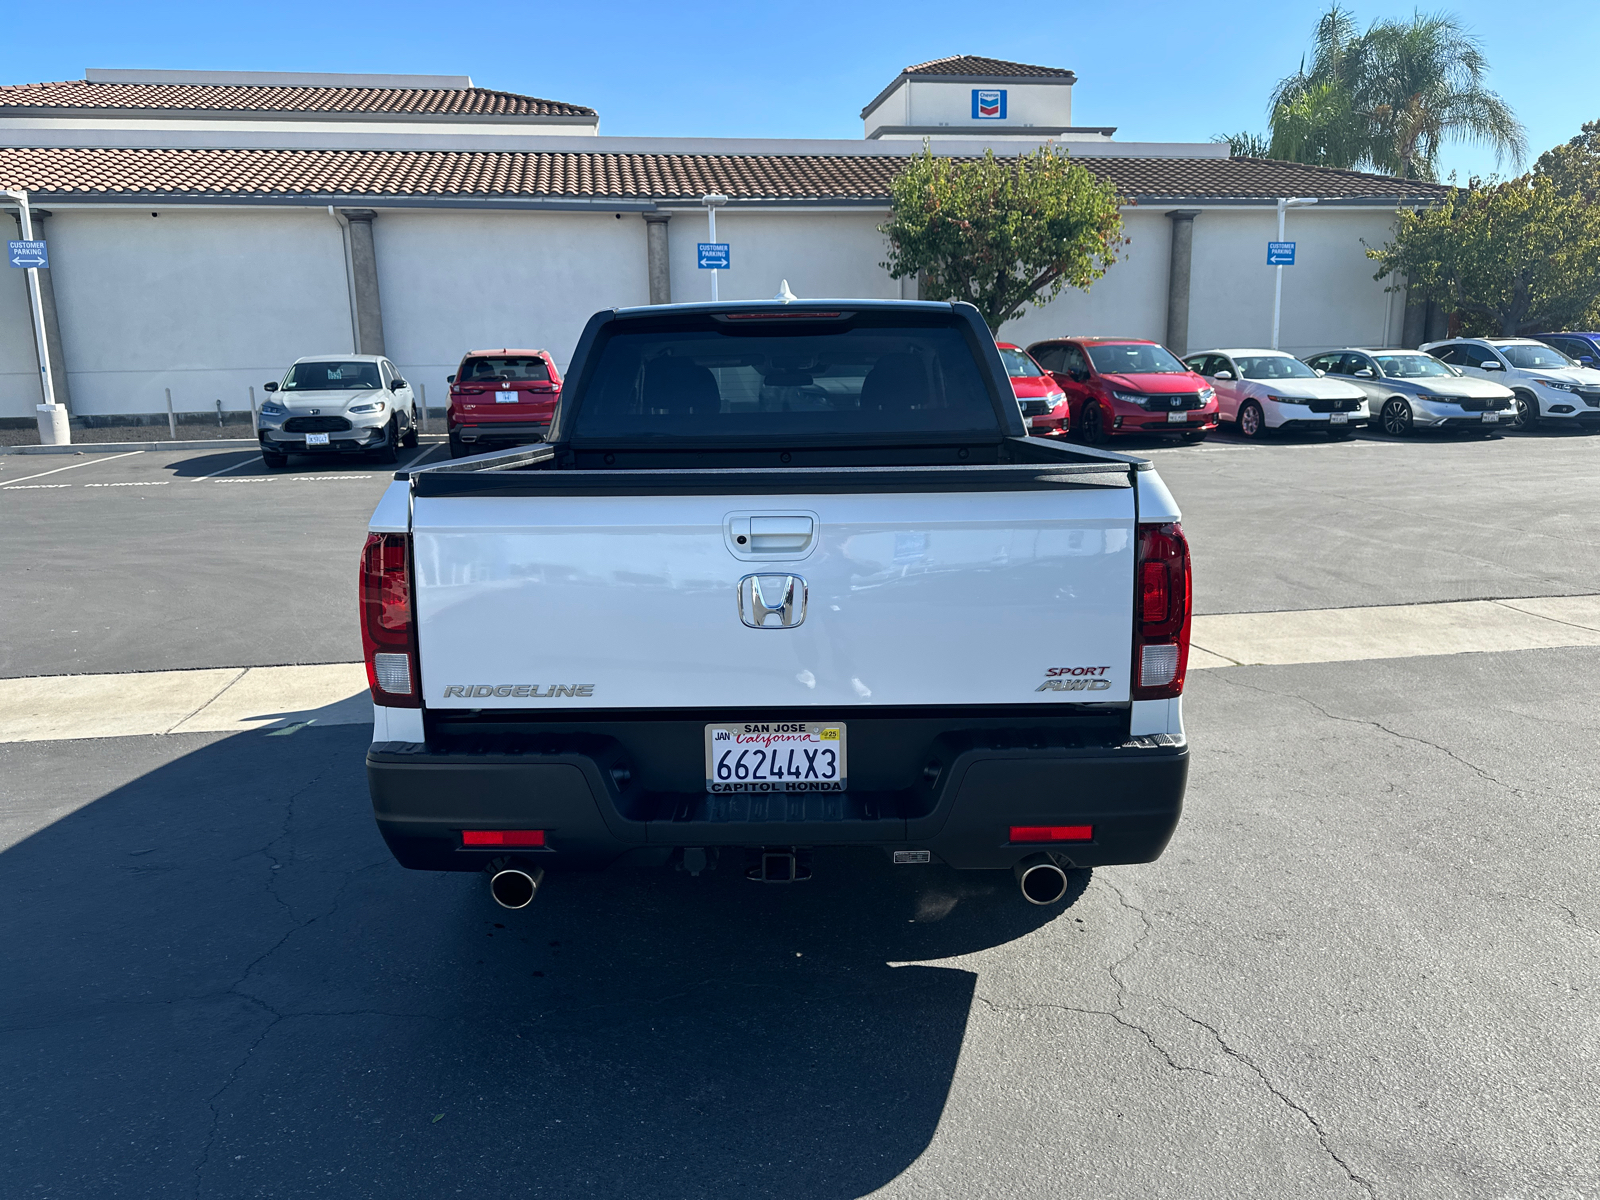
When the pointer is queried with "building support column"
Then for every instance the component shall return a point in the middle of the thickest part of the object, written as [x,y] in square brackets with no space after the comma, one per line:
[52,323]
[657,261]
[364,267]
[1178,279]
[1414,324]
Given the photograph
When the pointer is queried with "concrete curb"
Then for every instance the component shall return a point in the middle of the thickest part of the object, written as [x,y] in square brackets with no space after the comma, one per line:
[118,447]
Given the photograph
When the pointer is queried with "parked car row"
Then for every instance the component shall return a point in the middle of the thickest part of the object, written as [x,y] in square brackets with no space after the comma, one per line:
[339,404]
[1105,387]
[1095,387]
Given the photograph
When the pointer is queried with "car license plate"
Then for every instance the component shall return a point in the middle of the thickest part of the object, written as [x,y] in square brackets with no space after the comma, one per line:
[316,439]
[1175,418]
[775,756]
[1338,418]
[1491,418]
[505,397]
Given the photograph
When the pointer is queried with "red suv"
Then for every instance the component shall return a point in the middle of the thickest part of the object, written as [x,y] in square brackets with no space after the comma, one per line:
[1043,404]
[1128,385]
[501,398]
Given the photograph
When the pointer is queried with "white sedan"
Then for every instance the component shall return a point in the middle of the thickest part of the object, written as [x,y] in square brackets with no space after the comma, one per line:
[1260,390]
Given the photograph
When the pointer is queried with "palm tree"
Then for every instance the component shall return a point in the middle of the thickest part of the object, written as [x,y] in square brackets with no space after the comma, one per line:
[1390,97]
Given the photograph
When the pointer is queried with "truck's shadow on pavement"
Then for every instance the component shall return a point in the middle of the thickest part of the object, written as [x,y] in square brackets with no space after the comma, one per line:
[214,980]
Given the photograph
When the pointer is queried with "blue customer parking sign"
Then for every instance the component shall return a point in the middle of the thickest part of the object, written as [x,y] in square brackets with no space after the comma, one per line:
[28,254]
[1280,254]
[713,256]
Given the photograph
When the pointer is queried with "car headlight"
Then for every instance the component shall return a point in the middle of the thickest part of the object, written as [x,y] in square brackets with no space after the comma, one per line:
[1206,393]
[1284,399]
[1559,385]
[374,406]
[1054,398]
[1128,397]
[270,409]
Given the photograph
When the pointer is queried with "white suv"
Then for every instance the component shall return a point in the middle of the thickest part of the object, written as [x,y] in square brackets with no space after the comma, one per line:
[330,404]
[1548,385]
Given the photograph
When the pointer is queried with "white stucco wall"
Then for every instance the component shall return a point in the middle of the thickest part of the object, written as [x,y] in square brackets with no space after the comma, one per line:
[19,367]
[821,254]
[453,281]
[206,302]
[1129,301]
[1026,104]
[210,302]
[1329,296]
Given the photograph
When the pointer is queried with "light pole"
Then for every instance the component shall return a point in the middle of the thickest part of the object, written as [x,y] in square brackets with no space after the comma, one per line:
[47,380]
[1284,203]
[713,201]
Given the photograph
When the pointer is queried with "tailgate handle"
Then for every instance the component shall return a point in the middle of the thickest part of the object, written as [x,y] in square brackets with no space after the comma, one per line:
[787,535]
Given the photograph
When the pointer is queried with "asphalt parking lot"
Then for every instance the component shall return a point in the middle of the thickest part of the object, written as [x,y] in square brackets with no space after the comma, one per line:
[1366,966]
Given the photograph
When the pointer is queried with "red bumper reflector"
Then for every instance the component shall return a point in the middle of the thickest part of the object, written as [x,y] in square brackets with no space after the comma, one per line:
[1052,833]
[502,837]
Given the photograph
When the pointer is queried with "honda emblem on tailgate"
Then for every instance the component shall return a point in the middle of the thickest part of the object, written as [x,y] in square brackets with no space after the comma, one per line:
[764,596]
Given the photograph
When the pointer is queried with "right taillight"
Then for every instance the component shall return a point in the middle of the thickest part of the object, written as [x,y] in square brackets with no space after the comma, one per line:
[1161,612]
[387,628]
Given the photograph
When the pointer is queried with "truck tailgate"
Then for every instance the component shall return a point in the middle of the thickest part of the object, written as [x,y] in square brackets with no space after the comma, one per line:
[621,602]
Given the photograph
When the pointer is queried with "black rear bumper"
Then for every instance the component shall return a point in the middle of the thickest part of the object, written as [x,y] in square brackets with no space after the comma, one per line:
[595,806]
[507,431]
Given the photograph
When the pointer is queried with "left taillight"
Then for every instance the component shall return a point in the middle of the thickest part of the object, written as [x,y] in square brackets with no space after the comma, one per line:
[1163,598]
[388,626]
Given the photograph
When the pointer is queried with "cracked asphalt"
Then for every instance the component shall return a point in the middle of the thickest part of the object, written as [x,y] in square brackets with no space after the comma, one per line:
[1366,966]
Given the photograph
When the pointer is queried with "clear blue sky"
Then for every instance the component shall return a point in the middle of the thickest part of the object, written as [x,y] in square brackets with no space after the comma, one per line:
[1159,71]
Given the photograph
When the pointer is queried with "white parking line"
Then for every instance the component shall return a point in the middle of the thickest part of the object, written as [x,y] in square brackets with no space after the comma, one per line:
[422,456]
[69,467]
[235,467]
[134,483]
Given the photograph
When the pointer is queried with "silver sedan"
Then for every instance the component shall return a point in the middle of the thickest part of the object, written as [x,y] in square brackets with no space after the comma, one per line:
[1409,390]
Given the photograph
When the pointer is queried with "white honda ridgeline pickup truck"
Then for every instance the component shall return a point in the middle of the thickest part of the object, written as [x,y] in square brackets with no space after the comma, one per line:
[784,576]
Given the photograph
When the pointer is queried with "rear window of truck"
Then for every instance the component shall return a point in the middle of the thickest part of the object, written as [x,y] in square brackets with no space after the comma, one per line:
[729,377]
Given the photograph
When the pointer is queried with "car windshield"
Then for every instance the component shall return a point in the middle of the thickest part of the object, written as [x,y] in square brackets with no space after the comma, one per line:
[332,377]
[1531,358]
[1273,366]
[744,377]
[1138,358]
[1412,366]
[1019,365]
[487,369]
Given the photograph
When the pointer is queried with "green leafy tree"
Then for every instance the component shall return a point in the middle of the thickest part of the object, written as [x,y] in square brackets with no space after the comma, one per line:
[1001,234]
[1574,167]
[1507,258]
[1390,97]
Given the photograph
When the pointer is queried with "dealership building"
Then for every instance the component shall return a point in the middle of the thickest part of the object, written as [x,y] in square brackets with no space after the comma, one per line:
[205,229]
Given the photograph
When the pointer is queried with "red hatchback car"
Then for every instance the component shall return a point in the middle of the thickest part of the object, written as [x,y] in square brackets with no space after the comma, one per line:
[1128,385]
[501,398]
[1043,403]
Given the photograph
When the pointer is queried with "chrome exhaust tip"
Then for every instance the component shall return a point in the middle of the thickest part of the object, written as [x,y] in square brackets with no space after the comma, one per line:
[515,887]
[1041,880]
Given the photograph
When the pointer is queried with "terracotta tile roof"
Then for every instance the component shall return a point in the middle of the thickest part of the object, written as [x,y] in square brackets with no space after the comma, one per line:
[972,64]
[81,94]
[62,172]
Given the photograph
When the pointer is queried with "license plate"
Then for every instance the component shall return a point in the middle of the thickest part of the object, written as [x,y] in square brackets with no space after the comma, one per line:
[1028,421]
[1490,418]
[775,756]
[316,439]
[1338,418]
[505,397]
[1177,418]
